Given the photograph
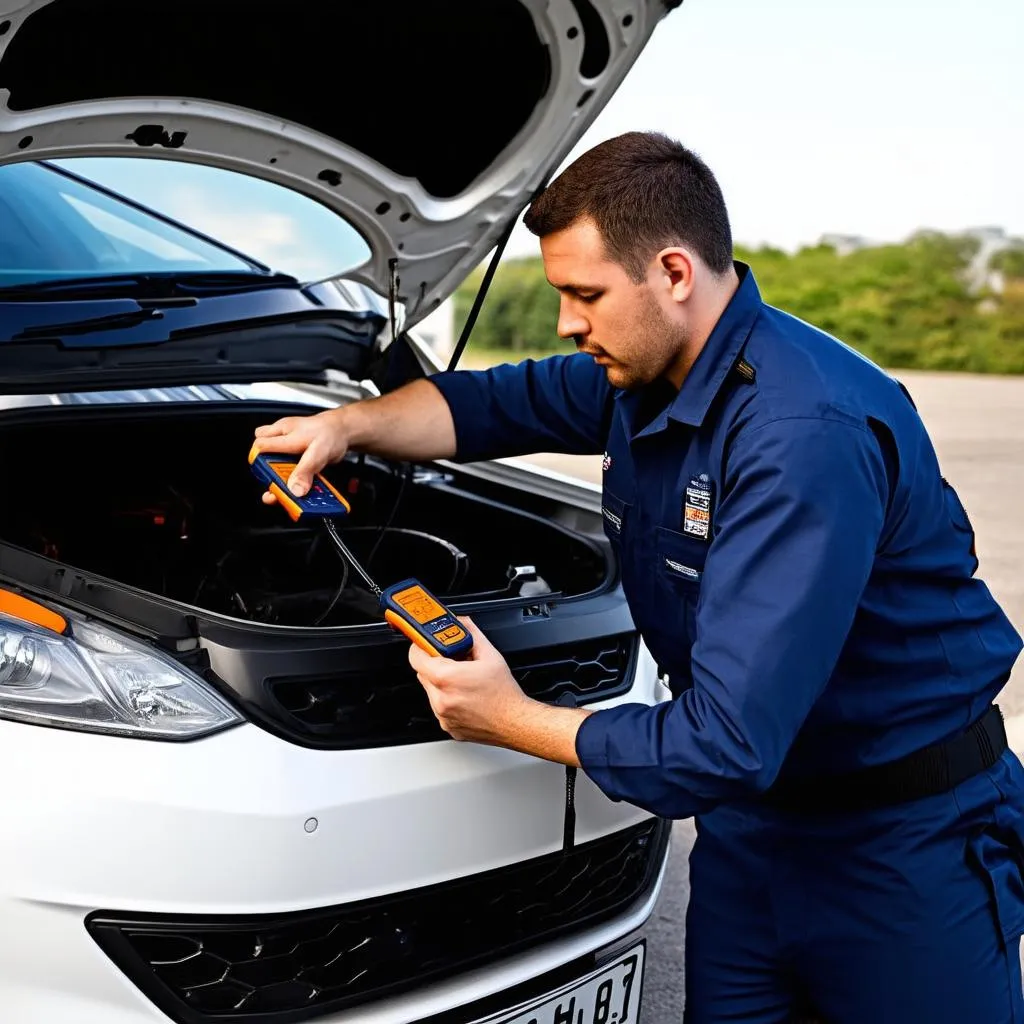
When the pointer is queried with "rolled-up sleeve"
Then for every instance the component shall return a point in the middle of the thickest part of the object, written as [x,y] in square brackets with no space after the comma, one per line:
[803,506]
[559,404]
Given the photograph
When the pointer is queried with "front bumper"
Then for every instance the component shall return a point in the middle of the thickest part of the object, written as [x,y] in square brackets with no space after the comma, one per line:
[245,824]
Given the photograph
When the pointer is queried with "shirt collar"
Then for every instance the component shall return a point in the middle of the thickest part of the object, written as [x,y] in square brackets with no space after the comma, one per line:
[716,358]
[720,351]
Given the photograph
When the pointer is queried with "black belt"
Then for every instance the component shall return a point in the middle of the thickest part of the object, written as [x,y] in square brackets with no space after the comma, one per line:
[923,773]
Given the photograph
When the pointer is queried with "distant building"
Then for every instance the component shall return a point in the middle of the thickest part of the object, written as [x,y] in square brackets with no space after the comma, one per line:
[991,235]
[991,240]
[845,244]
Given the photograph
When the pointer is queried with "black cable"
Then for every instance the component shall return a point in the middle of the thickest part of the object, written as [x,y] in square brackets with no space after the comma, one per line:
[391,517]
[337,594]
[218,573]
[457,564]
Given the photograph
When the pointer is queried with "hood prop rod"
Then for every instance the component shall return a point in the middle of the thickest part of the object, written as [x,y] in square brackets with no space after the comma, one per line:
[481,294]
[478,301]
[392,297]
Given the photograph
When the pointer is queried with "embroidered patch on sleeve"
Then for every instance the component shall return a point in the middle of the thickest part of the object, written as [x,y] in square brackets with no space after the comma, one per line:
[697,507]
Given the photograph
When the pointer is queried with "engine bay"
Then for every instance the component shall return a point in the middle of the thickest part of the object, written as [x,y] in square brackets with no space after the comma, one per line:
[163,500]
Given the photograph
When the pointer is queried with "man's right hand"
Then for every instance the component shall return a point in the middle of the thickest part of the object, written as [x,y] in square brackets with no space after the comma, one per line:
[320,439]
[413,422]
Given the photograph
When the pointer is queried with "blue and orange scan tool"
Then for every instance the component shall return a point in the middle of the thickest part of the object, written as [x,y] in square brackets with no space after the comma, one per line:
[407,607]
[414,611]
[273,470]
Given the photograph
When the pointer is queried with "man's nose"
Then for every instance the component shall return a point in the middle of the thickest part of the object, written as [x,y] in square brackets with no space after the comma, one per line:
[571,324]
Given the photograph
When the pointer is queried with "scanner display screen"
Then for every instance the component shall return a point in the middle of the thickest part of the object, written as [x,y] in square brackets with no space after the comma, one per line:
[419,605]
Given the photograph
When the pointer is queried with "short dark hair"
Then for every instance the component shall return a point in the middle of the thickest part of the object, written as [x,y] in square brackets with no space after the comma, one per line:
[644,191]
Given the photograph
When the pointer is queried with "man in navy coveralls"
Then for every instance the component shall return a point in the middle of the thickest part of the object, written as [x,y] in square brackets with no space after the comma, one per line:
[803,575]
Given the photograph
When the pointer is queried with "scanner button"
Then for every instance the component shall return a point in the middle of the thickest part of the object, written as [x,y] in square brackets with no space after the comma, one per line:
[449,635]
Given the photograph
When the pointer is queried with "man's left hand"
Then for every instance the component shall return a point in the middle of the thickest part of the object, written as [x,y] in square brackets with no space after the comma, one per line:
[478,699]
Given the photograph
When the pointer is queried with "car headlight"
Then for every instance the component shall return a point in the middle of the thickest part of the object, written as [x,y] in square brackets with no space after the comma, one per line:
[98,680]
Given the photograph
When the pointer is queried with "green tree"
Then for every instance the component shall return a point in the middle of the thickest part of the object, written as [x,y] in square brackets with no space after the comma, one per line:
[906,305]
[519,312]
[1010,261]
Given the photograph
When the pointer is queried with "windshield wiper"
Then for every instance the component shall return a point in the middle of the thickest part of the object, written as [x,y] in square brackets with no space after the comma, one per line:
[196,284]
[87,325]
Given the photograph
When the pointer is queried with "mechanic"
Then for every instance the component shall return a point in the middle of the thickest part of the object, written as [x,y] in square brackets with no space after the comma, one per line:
[802,574]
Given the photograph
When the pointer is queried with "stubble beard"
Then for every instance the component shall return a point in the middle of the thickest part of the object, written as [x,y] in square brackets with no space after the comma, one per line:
[660,343]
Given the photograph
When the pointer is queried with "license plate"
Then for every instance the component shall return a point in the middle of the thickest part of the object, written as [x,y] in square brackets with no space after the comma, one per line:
[611,995]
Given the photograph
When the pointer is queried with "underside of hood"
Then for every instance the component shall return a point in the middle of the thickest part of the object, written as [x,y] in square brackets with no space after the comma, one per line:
[426,125]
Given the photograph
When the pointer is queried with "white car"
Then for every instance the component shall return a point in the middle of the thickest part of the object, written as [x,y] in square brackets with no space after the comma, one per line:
[225,798]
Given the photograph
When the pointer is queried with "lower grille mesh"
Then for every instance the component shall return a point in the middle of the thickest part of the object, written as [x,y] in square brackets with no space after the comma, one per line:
[290,967]
[387,705]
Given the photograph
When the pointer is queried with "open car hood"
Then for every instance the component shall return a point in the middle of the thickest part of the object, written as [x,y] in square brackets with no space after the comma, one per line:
[426,125]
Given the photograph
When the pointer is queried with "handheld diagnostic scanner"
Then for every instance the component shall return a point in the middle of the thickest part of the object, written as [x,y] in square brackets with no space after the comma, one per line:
[274,469]
[407,607]
[411,609]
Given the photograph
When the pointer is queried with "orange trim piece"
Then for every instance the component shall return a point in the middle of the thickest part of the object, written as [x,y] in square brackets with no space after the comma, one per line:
[19,607]
[415,636]
[334,490]
[287,502]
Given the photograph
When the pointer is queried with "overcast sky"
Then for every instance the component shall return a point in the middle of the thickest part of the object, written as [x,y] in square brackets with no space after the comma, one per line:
[868,117]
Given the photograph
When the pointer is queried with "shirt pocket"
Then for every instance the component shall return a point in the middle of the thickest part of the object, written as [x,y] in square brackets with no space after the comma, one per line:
[615,514]
[996,855]
[679,572]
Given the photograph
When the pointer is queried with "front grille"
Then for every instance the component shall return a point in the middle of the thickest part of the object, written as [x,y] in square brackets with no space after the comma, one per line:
[386,705]
[290,967]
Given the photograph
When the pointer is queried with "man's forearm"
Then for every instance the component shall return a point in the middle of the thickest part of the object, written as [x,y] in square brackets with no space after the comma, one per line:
[412,422]
[546,732]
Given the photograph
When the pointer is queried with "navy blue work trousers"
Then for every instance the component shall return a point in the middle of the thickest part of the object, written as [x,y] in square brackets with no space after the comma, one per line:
[904,915]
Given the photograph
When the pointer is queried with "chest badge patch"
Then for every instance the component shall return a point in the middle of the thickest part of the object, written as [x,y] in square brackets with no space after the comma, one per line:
[697,506]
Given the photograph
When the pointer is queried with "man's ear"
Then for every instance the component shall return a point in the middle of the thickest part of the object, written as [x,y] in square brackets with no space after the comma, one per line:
[676,268]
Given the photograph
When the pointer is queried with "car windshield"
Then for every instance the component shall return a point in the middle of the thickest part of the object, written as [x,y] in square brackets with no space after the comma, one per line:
[54,227]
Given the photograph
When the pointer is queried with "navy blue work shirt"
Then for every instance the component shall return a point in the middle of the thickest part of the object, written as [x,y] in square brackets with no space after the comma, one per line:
[791,554]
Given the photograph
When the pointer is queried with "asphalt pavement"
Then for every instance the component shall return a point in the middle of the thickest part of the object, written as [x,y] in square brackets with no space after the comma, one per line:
[662,999]
[977,426]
